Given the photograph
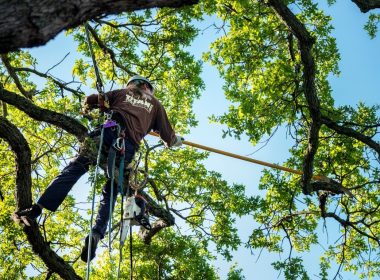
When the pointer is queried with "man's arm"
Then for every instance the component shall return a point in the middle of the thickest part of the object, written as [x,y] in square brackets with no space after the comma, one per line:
[95,101]
[90,103]
[164,128]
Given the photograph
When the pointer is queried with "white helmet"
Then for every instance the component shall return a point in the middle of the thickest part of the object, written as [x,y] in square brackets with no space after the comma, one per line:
[141,78]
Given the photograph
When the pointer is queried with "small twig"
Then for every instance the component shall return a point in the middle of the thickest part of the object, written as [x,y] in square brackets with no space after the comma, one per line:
[14,76]
[58,82]
[57,63]
[343,255]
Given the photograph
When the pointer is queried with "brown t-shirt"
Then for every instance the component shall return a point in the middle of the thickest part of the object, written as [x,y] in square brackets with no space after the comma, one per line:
[140,114]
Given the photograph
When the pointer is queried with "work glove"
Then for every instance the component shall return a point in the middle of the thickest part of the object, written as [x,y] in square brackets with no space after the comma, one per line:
[84,111]
[178,141]
[88,111]
[85,108]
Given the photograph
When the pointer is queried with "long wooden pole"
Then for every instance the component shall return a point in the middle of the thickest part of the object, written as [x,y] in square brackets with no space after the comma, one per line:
[271,165]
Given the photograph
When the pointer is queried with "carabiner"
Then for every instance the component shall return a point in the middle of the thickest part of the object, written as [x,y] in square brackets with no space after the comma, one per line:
[119,144]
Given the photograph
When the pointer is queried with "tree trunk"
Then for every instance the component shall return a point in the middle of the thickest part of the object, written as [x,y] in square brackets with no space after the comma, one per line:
[27,23]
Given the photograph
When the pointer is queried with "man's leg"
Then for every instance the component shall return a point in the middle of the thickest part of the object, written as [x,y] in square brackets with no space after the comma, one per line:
[63,183]
[101,221]
[58,188]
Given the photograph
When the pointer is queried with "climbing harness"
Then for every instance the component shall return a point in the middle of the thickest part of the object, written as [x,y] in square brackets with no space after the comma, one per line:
[117,147]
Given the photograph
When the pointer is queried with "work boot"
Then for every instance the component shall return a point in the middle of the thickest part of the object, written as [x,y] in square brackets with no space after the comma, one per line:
[94,244]
[28,214]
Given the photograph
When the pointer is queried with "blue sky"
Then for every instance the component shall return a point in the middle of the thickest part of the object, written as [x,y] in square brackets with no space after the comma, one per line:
[358,81]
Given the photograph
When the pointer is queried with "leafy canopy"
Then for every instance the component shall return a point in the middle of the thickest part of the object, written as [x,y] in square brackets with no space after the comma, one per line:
[260,60]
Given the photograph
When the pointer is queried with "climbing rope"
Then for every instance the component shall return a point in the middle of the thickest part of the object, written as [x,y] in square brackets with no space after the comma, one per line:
[103,102]
[99,87]
[133,180]
[99,83]
[93,202]
[130,253]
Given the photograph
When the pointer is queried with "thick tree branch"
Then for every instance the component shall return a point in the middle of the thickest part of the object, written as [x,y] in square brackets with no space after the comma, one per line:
[351,133]
[331,186]
[367,5]
[65,122]
[22,153]
[306,42]
[147,235]
[33,23]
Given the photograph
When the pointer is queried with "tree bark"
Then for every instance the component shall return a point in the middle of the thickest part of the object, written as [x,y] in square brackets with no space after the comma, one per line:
[306,42]
[67,123]
[27,23]
[22,153]
[367,5]
[23,195]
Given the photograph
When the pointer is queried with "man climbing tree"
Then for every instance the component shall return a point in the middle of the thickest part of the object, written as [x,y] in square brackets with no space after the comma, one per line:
[135,111]
[276,58]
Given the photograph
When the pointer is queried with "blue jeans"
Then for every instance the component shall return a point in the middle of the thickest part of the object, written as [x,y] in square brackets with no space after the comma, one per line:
[58,189]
